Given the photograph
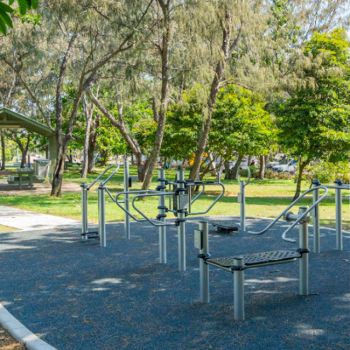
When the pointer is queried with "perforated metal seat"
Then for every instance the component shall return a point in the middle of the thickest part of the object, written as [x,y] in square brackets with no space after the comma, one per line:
[256,259]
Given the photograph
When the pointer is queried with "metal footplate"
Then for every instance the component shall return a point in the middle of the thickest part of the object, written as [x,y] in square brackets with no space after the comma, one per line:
[256,259]
[224,226]
[90,235]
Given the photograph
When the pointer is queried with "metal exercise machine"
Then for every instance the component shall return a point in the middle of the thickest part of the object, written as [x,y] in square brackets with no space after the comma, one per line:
[85,188]
[181,206]
[237,264]
[338,187]
[102,190]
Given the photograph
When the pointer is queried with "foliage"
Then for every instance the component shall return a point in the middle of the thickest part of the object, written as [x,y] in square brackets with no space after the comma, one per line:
[109,141]
[184,121]
[314,121]
[327,172]
[241,125]
[7,10]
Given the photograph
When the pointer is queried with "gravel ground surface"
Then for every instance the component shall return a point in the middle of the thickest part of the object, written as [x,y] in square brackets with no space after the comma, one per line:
[79,296]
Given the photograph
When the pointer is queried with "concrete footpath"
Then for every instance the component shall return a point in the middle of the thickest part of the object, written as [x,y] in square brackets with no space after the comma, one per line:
[29,221]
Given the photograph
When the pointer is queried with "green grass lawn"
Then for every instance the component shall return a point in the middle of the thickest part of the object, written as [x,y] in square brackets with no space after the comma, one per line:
[264,199]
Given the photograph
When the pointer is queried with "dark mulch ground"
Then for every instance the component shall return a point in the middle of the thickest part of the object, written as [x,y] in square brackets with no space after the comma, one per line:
[80,296]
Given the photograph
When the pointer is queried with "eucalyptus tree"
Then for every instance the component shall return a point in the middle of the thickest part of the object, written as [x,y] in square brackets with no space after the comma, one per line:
[154,68]
[231,22]
[81,37]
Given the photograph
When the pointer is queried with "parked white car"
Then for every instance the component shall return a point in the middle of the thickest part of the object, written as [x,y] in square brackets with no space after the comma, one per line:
[290,167]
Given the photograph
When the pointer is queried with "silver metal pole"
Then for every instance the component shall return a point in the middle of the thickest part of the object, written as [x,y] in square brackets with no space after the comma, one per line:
[126,198]
[162,229]
[181,230]
[338,216]
[238,290]
[242,204]
[203,267]
[84,211]
[102,216]
[304,260]
[316,218]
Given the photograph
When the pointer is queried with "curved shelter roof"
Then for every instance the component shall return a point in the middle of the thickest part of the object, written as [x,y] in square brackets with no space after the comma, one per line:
[12,120]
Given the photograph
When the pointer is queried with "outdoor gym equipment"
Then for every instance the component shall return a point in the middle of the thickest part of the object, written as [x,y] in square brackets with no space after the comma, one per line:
[227,227]
[239,263]
[339,187]
[182,202]
[100,234]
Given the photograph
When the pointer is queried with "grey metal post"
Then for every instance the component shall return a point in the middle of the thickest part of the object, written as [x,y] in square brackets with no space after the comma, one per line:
[126,198]
[316,218]
[338,215]
[101,216]
[84,211]
[162,229]
[304,260]
[238,290]
[203,267]
[181,230]
[242,204]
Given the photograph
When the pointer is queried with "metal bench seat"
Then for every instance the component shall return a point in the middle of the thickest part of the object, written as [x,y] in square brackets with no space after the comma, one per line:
[255,259]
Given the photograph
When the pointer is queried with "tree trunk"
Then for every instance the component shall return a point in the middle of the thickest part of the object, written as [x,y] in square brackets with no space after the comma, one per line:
[161,116]
[262,162]
[88,119]
[301,168]
[3,151]
[227,169]
[23,158]
[58,171]
[226,48]
[234,170]
[92,144]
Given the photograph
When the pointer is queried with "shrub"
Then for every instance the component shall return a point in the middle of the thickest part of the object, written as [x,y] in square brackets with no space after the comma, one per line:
[327,172]
[269,174]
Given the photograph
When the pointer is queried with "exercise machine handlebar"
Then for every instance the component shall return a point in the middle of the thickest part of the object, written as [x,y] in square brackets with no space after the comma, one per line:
[103,183]
[285,211]
[101,175]
[153,222]
[301,217]
[204,183]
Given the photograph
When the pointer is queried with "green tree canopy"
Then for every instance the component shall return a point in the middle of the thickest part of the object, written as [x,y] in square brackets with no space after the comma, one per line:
[241,124]
[314,122]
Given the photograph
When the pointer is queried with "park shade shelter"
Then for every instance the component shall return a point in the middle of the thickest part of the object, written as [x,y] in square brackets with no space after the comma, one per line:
[10,119]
